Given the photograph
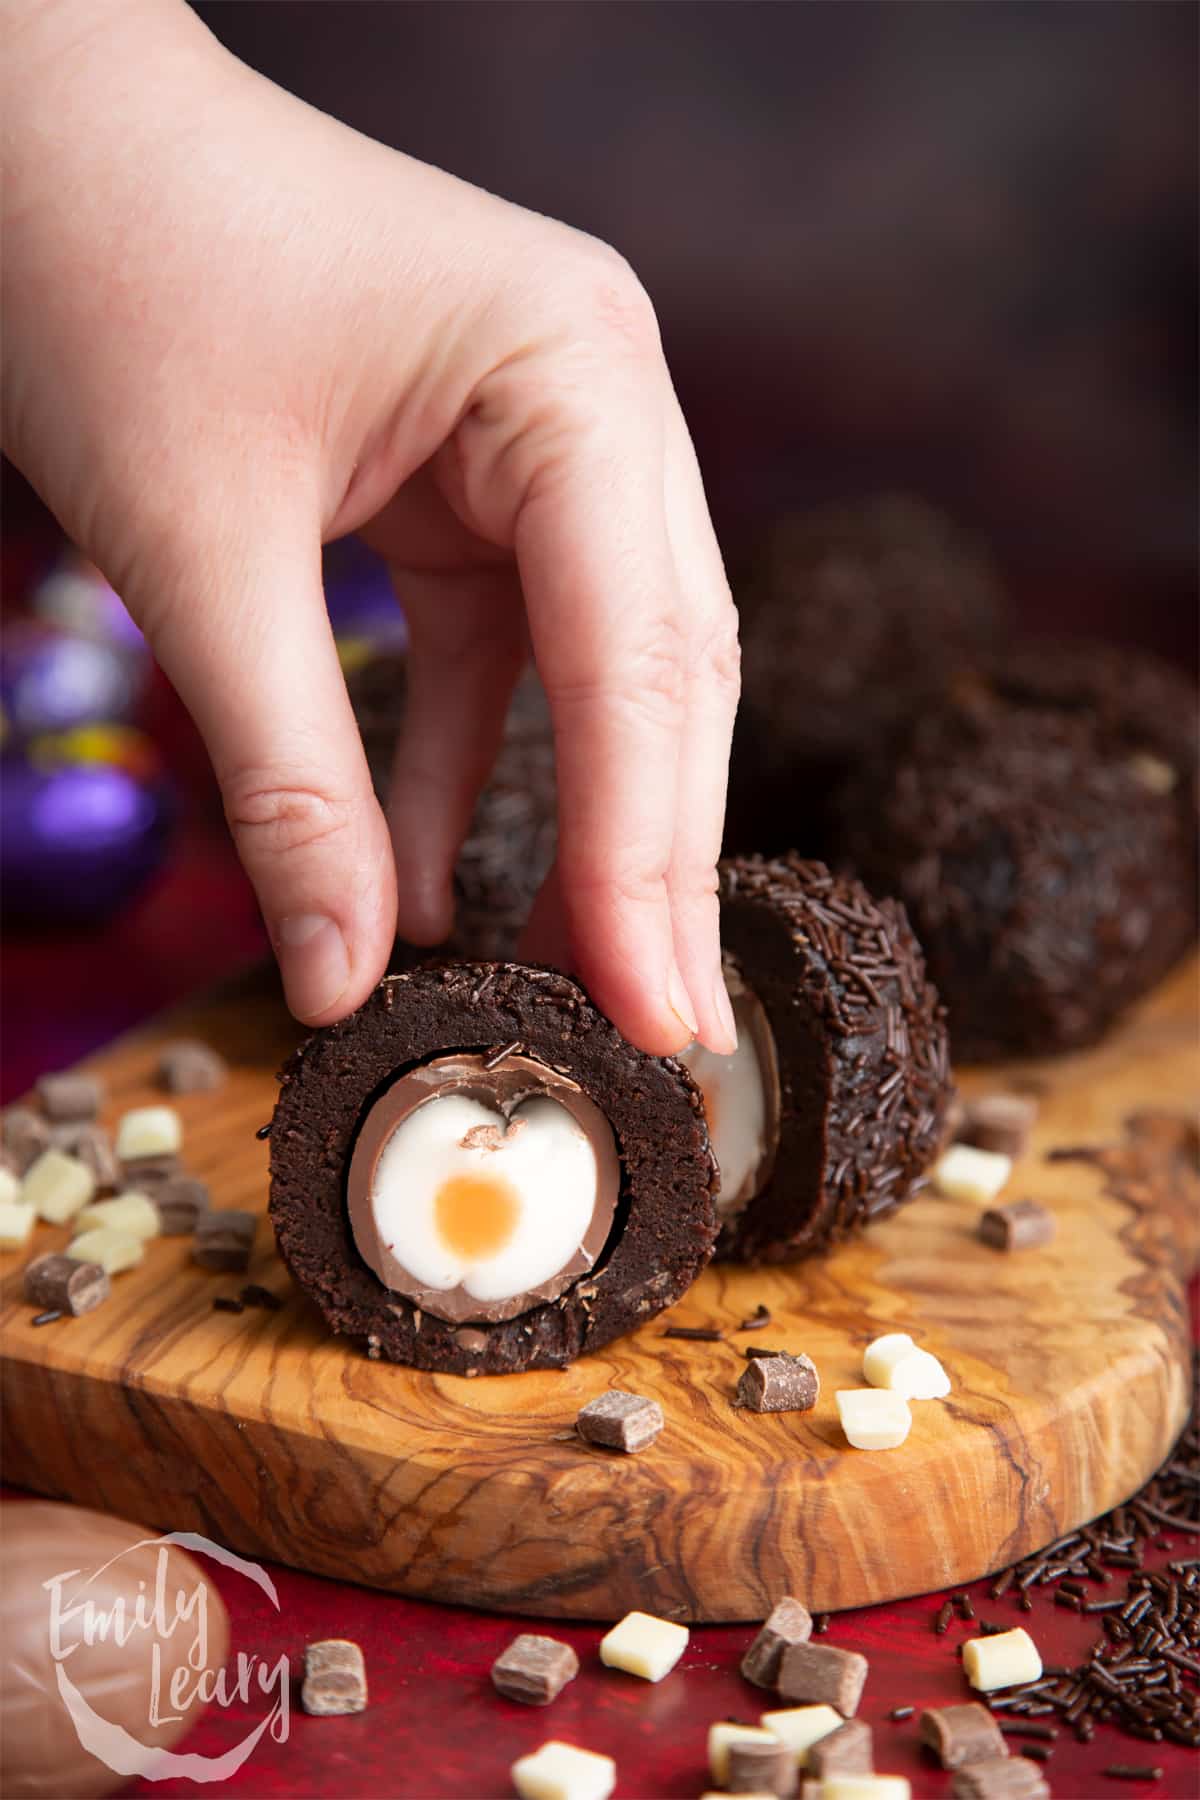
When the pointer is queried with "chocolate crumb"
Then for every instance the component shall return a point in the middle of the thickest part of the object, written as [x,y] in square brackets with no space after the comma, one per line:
[227,1303]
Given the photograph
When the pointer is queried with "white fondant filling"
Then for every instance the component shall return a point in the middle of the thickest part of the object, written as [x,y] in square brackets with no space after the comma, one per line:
[541,1154]
[735,1100]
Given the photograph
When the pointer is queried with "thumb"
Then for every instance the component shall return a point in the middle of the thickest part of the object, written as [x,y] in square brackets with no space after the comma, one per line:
[242,633]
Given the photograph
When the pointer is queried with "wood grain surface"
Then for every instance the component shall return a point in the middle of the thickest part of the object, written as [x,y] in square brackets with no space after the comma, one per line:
[1070,1371]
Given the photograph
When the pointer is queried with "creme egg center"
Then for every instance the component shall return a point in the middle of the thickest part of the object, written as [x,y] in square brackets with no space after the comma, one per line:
[476,1214]
[740,1098]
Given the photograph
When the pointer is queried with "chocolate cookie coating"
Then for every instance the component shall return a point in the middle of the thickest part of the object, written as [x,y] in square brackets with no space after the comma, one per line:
[851,616]
[665,1217]
[512,837]
[860,1039]
[1048,881]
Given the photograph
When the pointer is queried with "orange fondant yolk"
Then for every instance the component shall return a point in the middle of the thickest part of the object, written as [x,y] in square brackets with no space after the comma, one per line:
[476,1215]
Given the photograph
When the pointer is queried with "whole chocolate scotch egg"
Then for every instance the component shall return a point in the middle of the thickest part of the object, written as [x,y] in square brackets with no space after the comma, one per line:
[1040,828]
[476,1173]
[833,1105]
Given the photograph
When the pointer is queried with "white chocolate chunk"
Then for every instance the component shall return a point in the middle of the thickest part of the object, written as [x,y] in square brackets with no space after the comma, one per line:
[149,1131]
[897,1363]
[134,1214]
[721,1735]
[865,1787]
[964,1173]
[56,1186]
[561,1772]
[874,1418]
[16,1224]
[113,1250]
[800,1727]
[881,1356]
[1155,775]
[10,1186]
[1001,1661]
[643,1645]
[539,1168]
[740,1097]
[920,1376]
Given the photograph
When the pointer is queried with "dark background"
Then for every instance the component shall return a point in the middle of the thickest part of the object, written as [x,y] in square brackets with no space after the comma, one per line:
[950,247]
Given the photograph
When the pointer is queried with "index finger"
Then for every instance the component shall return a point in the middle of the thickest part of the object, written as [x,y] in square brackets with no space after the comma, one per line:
[605,617]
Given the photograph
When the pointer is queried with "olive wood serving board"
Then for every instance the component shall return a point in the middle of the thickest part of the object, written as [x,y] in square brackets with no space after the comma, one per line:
[1070,1368]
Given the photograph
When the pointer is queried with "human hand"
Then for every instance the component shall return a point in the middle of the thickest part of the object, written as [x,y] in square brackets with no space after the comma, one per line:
[235,329]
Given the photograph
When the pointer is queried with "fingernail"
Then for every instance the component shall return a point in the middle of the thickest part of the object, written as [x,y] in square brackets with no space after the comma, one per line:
[314,962]
[677,1000]
[725,1019]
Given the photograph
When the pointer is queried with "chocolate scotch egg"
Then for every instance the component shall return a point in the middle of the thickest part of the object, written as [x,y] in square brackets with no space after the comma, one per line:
[1046,856]
[850,615]
[475,1173]
[833,1105]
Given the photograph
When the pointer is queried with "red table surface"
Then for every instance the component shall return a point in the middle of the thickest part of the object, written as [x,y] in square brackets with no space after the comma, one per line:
[435,1726]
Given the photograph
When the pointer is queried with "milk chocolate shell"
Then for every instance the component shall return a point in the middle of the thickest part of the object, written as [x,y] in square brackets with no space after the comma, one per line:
[850,616]
[861,1052]
[663,1223]
[1046,862]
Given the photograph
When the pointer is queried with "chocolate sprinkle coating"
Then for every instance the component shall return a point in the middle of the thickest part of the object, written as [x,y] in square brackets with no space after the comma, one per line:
[665,1222]
[860,1038]
[852,615]
[1049,886]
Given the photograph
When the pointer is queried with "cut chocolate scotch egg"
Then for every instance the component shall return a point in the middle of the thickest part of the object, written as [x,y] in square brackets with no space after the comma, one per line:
[833,1105]
[475,1172]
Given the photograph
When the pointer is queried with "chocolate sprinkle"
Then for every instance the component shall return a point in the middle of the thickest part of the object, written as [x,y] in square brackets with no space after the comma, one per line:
[254,1295]
[227,1303]
[46,1318]
[759,1318]
[698,1334]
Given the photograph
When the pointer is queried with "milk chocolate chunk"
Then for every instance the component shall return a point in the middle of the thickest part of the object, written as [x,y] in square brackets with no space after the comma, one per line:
[514,1055]
[335,1679]
[847,1751]
[859,1041]
[620,1421]
[91,1145]
[999,1122]
[999,1778]
[1020,1225]
[224,1239]
[789,1622]
[815,1673]
[146,1174]
[755,1767]
[962,1734]
[191,1067]
[779,1383]
[60,1284]
[26,1135]
[534,1669]
[180,1200]
[70,1095]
